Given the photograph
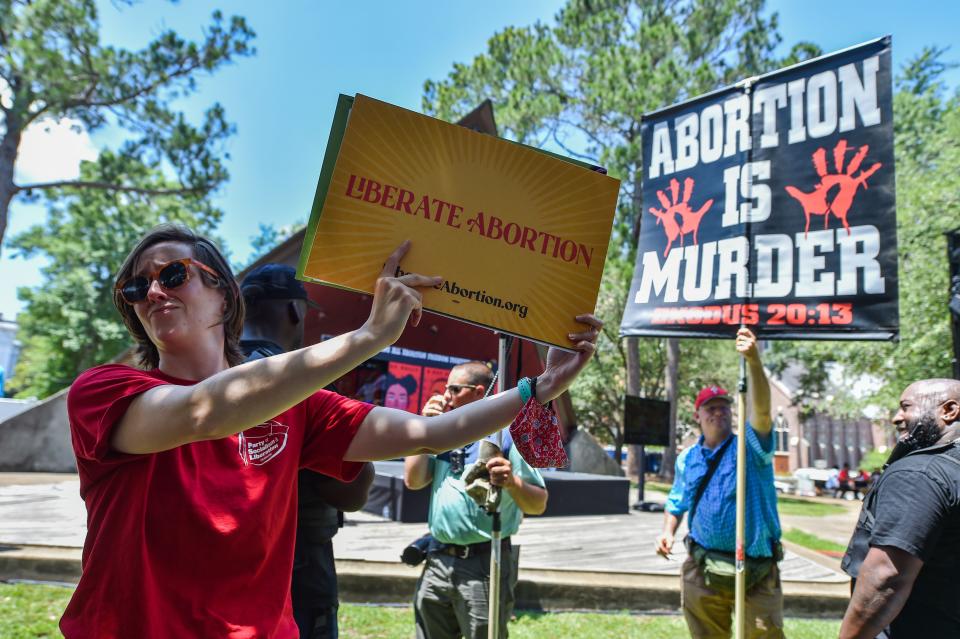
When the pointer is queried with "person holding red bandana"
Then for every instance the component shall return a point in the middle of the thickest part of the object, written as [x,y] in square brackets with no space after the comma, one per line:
[188,467]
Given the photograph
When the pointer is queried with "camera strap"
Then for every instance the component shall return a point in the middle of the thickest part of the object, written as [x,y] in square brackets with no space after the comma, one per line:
[712,466]
[457,458]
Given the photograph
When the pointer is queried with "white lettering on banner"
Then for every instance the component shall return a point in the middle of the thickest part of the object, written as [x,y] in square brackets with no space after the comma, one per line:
[811,260]
[865,260]
[732,264]
[822,104]
[759,198]
[800,267]
[688,147]
[768,247]
[661,153]
[859,97]
[767,101]
[797,132]
[692,290]
[409,352]
[661,279]
[814,112]
[711,137]
[737,110]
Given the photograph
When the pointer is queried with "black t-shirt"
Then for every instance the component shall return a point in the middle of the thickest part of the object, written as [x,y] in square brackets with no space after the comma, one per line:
[915,506]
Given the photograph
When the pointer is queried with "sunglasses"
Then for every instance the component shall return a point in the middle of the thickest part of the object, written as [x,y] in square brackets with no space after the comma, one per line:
[170,276]
[456,388]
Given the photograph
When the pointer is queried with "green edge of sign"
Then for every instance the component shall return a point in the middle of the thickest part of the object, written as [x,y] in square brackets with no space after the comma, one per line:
[337,129]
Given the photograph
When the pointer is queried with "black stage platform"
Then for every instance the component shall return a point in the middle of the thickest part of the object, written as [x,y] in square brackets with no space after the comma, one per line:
[570,494]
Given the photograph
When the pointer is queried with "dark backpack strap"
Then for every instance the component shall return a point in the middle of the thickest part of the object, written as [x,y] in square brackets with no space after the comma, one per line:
[712,466]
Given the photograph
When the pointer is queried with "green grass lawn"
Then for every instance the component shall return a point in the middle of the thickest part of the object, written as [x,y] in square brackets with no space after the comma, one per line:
[811,541]
[656,486]
[29,612]
[32,611]
[786,505]
[794,506]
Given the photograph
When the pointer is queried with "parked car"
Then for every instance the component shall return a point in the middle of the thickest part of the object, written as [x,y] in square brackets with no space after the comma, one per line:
[785,485]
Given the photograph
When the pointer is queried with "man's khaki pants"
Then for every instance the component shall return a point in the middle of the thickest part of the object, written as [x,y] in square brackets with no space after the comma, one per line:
[709,612]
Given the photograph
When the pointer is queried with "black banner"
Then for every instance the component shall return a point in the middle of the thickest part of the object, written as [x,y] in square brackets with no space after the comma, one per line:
[771,204]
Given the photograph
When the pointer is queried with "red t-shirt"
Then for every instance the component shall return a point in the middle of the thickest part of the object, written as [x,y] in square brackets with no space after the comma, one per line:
[196,541]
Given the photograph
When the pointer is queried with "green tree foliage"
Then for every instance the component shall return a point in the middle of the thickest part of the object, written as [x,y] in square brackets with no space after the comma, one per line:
[70,323]
[54,66]
[874,460]
[580,85]
[926,130]
[269,237]
[598,391]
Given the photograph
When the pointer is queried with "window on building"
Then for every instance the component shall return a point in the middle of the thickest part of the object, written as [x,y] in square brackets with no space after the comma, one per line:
[781,433]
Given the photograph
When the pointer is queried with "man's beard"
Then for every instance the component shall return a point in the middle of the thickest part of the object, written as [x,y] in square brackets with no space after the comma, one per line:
[922,433]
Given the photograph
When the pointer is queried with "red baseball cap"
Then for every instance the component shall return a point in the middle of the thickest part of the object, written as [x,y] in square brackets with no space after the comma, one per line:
[711,392]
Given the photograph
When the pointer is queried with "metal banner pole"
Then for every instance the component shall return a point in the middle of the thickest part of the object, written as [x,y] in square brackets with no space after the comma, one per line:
[740,596]
[740,581]
[493,616]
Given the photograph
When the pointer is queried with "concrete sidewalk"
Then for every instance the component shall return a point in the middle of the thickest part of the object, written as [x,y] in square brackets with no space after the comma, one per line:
[587,563]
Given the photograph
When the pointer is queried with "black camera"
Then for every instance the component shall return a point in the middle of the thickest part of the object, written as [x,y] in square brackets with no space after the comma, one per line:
[416,552]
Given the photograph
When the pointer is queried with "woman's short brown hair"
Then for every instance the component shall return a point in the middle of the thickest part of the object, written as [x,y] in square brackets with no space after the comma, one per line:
[205,251]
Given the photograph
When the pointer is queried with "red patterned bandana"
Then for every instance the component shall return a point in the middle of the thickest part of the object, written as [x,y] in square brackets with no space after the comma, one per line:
[536,434]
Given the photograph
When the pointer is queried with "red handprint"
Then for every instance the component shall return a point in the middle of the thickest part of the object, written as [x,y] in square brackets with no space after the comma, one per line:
[815,202]
[689,219]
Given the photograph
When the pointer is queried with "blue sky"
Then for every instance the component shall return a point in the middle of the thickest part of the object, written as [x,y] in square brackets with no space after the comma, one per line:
[282,99]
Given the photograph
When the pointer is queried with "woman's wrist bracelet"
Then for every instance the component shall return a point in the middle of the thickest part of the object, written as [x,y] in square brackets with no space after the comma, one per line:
[526,389]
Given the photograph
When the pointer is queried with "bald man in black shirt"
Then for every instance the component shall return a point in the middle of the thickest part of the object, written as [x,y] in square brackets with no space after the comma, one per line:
[904,555]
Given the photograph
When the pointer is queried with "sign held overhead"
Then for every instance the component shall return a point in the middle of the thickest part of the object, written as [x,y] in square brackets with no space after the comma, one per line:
[519,235]
[771,204]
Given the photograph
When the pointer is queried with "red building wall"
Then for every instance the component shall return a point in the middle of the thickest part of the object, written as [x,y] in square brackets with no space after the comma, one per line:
[343,311]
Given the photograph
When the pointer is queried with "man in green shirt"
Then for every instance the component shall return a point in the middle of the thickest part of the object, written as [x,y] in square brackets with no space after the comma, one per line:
[452,593]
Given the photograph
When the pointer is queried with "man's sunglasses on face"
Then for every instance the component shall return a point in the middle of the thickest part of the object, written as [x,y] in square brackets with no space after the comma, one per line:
[171,275]
[456,388]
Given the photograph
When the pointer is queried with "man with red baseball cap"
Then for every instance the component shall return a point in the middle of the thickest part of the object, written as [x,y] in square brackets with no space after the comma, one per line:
[705,486]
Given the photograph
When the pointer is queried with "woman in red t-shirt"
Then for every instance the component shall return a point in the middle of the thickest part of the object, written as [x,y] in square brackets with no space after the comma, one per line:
[188,468]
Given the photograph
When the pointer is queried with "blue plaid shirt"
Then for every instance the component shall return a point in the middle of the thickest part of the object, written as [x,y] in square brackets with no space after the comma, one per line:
[715,522]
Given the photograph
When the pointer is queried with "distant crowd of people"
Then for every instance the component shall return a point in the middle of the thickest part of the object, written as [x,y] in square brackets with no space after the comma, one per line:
[845,483]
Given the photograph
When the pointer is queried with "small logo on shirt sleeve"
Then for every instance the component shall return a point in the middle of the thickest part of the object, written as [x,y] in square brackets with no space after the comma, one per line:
[260,444]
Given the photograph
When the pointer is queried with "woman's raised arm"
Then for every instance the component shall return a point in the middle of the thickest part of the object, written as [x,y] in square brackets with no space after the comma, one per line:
[249,394]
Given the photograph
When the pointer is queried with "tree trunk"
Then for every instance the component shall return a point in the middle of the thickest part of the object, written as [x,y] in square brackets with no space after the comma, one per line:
[8,157]
[673,366]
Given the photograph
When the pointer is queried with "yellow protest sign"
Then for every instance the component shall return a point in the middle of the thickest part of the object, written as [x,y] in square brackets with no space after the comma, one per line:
[519,236]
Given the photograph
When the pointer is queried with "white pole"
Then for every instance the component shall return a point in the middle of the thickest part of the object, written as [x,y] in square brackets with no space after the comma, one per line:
[493,616]
[740,596]
[740,583]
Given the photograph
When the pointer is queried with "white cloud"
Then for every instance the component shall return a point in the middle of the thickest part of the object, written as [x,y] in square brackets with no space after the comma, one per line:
[52,150]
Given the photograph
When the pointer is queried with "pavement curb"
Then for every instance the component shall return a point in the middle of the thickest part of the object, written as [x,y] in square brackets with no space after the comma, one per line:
[538,589]
[40,563]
